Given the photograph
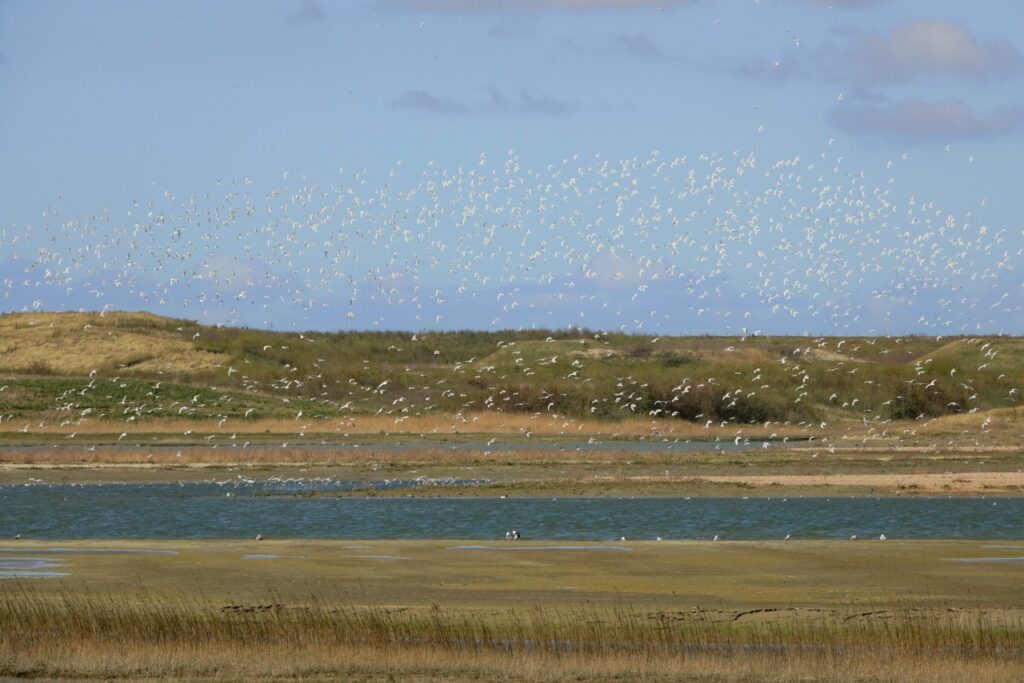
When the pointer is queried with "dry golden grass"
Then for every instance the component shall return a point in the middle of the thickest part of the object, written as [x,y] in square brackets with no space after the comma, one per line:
[114,343]
[106,636]
[268,456]
[476,423]
[997,420]
[328,661]
[785,611]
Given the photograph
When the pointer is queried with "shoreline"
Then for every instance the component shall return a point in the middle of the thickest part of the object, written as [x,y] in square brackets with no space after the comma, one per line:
[564,481]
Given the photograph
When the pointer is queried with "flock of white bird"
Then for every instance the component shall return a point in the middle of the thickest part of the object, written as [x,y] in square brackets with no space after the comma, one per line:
[720,242]
[726,240]
[721,237]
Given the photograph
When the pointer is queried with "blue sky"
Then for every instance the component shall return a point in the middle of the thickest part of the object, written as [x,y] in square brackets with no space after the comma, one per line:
[104,104]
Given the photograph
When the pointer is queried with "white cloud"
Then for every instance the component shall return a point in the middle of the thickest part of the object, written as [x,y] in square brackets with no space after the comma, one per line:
[910,51]
[925,47]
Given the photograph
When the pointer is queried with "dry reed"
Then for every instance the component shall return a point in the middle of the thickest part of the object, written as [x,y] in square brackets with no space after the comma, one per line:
[82,634]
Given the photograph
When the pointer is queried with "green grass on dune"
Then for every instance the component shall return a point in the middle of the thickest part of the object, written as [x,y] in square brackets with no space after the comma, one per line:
[578,373]
[71,398]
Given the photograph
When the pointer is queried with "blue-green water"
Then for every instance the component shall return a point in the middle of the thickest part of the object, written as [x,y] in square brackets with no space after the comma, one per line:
[204,510]
[661,445]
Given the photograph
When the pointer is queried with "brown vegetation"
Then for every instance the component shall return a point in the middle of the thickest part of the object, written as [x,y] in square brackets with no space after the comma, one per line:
[112,343]
[139,636]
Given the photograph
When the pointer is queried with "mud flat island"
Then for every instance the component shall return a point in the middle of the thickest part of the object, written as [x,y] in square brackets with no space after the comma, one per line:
[624,468]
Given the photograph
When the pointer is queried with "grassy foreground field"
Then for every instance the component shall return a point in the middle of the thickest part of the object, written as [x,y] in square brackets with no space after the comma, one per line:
[799,611]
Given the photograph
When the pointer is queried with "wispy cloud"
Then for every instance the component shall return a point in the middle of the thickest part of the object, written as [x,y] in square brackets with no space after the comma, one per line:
[842,4]
[641,47]
[525,102]
[914,120]
[465,6]
[910,51]
[519,103]
[633,45]
[770,70]
[427,101]
[515,25]
[305,12]
[925,47]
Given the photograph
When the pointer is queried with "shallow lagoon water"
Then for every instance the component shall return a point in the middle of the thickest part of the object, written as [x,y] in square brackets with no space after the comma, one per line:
[636,445]
[988,560]
[201,510]
[505,548]
[30,568]
[88,551]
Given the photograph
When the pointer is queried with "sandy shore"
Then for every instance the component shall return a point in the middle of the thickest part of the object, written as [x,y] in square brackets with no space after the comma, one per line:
[965,482]
[544,480]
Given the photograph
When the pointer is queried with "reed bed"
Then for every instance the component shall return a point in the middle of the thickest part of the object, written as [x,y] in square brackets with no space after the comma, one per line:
[93,634]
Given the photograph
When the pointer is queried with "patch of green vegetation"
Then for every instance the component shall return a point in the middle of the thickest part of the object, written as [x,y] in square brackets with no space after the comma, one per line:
[576,373]
[132,399]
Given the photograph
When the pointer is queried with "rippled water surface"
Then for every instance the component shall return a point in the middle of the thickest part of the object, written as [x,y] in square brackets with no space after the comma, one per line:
[204,510]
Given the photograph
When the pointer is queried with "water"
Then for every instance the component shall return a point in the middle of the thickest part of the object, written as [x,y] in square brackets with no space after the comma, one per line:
[202,510]
[988,560]
[632,445]
[30,568]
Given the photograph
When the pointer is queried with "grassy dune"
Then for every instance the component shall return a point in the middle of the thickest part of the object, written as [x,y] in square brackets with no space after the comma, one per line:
[808,611]
[58,366]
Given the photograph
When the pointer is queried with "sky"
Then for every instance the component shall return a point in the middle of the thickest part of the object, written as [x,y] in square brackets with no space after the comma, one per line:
[663,166]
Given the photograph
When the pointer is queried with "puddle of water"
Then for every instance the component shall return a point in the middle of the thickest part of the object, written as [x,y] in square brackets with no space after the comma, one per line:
[18,574]
[613,548]
[28,563]
[988,560]
[259,557]
[380,557]
[30,568]
[640,446]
